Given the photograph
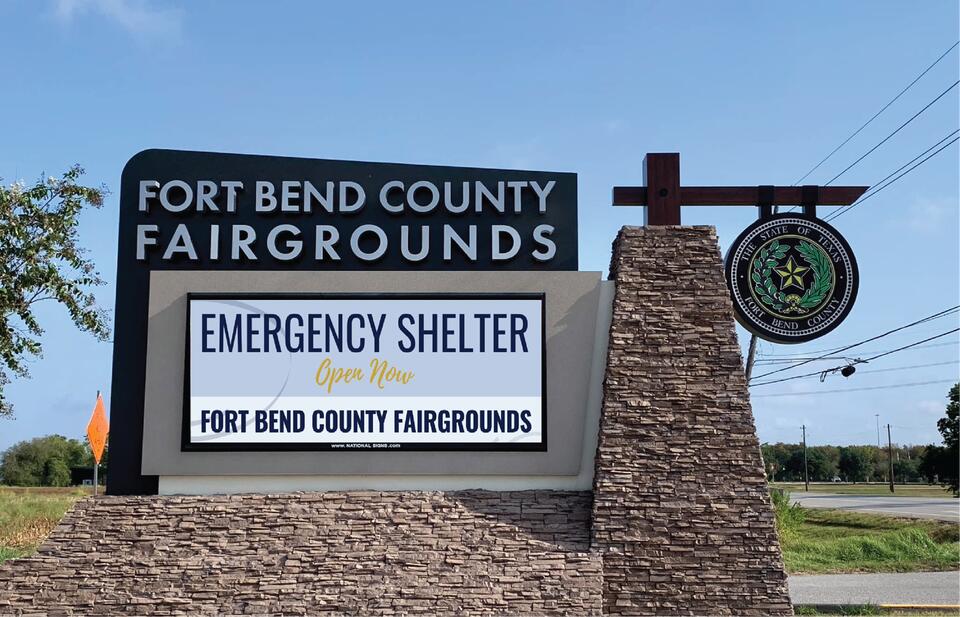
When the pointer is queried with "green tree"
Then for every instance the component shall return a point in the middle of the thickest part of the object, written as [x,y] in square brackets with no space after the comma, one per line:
[32,463]
[56,472]
[856,462]
[771,462]
[906,470]
[794,464]
[42,261]
[819,465]
[931,462]
[949,427]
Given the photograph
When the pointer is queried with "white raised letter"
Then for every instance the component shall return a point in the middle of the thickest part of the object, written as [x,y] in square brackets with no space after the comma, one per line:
[517,193]
[385,192]
[412,196]
[327,236]
[464,204]
[496,231]
[541,235]
[146,193]
[325,200]
[265,201]
[495,200]
[165,196]
[289,190]
[293,246]
[143,241]
[355,242]
[405,243]
[243,237]
[542,193]
[206,192]
[181,242]
[469,248]
[361,196]
[232,187]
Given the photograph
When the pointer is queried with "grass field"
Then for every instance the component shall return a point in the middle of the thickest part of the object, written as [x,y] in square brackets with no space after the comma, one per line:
[905,490]
[834,541]
[28,514]
[867,609]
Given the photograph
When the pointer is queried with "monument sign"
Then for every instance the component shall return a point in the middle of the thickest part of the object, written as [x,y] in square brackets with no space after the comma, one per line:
[254,290]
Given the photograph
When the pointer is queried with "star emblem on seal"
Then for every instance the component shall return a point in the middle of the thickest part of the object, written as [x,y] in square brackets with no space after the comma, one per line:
[791,274]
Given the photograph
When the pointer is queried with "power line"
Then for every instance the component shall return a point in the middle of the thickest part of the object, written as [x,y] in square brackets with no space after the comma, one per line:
[753,337]
[858,361]
[881,370]
[893,173]
[794,358]
[897,130]
[874,192]
[874,117]
[774,361]
[873,338]
[887,387]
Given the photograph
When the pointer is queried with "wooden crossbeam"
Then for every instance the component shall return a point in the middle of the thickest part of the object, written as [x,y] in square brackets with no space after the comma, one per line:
[663,196]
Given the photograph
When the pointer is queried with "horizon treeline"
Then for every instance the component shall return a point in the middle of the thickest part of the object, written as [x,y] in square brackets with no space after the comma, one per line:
[783,462]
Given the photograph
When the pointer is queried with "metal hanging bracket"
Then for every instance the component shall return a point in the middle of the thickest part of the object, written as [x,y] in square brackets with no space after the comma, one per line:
[765,200]
[809,198]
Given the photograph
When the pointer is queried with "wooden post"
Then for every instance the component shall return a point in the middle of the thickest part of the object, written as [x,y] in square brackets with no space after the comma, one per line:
[661,175]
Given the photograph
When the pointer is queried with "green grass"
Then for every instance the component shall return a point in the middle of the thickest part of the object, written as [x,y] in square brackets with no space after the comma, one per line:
[865,609]
[833,541]
[905,490]
[28,514]
[843,609]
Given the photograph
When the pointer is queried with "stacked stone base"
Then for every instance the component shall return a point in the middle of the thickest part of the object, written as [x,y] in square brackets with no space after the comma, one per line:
[679,521]
[466,552]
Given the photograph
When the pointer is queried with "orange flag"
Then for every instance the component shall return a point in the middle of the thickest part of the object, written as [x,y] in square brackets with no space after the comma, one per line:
[97,429]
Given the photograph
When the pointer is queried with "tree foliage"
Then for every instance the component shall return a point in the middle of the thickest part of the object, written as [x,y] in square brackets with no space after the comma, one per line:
[43,461]
[784,463]
[43,261]
[949,427]
[856,463]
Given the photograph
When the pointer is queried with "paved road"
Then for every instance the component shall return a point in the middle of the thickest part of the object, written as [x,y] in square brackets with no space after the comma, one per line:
[942,508]
[907,588]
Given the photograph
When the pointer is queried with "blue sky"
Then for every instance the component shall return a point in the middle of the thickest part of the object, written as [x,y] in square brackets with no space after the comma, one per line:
[748,92]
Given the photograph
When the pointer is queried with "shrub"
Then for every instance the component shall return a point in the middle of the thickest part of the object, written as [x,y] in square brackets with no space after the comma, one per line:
[789,516]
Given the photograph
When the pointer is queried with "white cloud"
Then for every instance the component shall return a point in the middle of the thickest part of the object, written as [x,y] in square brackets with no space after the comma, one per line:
[136,16]
[930,408]
[932,215]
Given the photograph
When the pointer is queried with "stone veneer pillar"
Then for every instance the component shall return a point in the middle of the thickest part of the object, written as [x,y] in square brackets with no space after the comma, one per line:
[681,512]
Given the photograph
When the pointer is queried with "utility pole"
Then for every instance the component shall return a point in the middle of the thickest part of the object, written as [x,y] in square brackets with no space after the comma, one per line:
[806,477]
[890,457]
[751,355]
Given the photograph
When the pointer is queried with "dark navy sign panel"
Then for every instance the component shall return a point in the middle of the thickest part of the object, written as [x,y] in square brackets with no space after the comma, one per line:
[182,210]
[194,210]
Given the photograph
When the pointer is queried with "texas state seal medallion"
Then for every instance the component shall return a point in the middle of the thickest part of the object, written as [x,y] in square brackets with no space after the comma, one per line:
[792,278]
